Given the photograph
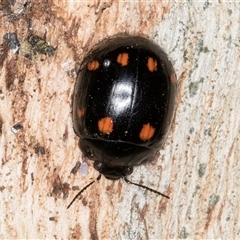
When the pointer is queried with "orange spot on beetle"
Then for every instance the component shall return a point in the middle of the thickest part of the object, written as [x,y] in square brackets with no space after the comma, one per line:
[93,65]
[123,59]
[152,64]
[80,112]
[105,125]
[146,132]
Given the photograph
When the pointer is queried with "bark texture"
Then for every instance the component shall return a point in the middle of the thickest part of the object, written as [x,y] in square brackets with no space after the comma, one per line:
[42,46]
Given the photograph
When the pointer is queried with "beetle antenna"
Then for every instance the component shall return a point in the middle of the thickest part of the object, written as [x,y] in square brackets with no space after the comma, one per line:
[145,187]
[78,194]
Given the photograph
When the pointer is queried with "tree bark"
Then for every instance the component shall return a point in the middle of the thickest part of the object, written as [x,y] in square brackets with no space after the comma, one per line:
[42,46]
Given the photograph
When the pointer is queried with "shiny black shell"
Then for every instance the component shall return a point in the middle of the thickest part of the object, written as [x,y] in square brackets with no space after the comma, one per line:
[123,103]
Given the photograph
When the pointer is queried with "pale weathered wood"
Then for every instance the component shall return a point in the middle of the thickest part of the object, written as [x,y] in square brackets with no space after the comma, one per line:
[199,165]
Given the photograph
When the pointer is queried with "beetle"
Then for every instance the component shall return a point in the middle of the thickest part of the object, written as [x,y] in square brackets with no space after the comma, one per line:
[123,104]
